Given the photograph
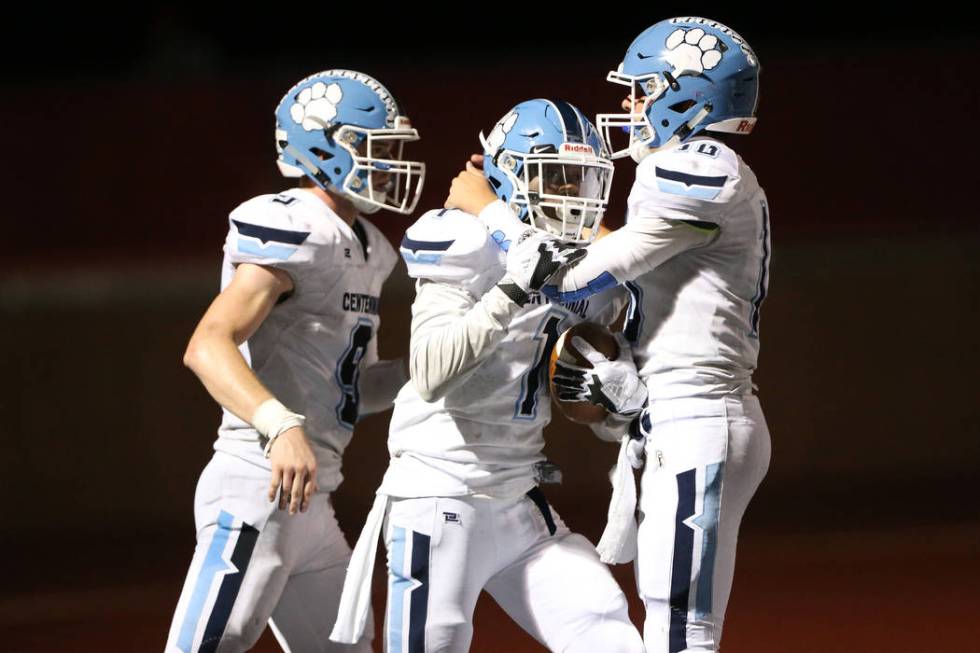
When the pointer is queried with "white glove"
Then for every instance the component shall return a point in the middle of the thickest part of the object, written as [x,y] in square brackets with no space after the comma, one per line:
[636,451]
[615,385]
[532,260]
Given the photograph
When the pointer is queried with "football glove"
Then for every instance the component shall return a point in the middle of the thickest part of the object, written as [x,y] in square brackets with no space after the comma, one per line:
[534,259]
[614,385]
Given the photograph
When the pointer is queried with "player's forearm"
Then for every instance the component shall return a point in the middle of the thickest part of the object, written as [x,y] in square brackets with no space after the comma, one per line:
[218,363]
[379,383]
[446,348]
[624,255]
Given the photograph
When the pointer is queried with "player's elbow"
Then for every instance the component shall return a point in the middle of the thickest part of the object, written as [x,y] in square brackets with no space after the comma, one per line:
[198,351]
[428,391]
[194,354]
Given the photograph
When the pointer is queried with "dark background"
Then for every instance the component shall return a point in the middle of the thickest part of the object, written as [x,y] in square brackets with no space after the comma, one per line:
[127,137]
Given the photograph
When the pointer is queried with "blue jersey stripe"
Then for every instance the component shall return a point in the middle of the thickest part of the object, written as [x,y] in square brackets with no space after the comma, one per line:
[696,192]
[597,285]
[278,252]
[689,179]
[430,245]
[266,234]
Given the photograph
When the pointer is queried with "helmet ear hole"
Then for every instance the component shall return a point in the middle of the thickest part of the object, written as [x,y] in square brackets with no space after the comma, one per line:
[323,154]
[681,107]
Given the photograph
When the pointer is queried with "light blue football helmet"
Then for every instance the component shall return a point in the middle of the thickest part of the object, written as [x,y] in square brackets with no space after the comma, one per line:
[547,162]
[686,75]
[343,130]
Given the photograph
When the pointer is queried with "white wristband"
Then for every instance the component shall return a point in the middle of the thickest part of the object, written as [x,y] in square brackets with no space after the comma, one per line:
[272,418]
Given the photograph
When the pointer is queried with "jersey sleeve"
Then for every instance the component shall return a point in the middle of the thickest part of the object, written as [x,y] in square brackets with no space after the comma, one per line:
[264,232]
[452,332]
[678,202]
[624,255]
[693,182]
[452,247]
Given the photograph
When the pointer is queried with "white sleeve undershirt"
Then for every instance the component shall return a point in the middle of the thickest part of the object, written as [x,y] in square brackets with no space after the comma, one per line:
[452,332]
[379,383]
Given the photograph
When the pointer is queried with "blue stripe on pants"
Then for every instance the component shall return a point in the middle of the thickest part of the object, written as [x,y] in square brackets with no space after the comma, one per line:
[680,576]
[228,592]
[708,521]
[213,566]
[420,596]
[413,587]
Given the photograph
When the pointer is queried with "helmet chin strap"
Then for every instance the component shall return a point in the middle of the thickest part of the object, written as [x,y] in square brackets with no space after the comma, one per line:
[362,205]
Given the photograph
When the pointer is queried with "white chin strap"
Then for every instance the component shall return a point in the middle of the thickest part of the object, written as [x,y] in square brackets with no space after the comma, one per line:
[363,205]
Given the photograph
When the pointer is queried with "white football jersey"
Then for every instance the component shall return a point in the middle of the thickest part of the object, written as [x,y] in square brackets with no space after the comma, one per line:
[485,435]
[309,350]
[694,318]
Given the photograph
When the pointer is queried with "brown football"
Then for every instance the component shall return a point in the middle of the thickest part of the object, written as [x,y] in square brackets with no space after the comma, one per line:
[583,412]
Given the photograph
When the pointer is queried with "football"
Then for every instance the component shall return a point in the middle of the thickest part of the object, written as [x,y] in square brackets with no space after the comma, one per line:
[602,339]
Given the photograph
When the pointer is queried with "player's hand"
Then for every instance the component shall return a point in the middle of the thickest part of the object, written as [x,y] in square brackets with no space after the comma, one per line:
[470,190]
[537,256]
[293,468]
[612,384]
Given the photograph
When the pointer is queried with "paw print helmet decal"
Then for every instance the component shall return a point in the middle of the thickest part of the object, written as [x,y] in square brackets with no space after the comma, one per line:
[548,163]
[344,131]
[685,75]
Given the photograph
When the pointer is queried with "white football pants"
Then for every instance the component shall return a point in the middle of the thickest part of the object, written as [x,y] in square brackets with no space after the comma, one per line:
[704,460]
[254,562]
[443,551]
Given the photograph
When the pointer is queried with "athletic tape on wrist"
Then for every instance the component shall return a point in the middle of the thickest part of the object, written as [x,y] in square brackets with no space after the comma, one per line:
[271,418]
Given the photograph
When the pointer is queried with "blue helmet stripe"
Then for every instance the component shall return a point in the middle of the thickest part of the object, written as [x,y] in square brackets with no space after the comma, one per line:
[574,132]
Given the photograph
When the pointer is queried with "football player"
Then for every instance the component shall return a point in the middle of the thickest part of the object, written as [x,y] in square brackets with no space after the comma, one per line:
[289,350]
[694,255]
[464,509]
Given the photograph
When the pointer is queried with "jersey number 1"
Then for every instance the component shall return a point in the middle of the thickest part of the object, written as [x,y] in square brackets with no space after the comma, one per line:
[348,370]
[527,404]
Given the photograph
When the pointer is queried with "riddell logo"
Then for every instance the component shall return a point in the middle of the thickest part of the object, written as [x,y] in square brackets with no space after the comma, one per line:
[575,148]
[745,127]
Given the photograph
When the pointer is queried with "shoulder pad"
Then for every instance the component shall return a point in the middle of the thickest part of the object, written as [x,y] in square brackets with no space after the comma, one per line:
[700,170]
[693,181]
[266,232]
[450,245]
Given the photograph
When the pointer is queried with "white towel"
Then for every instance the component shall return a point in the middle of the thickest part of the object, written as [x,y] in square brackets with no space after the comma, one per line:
[618,542]
[355,601]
